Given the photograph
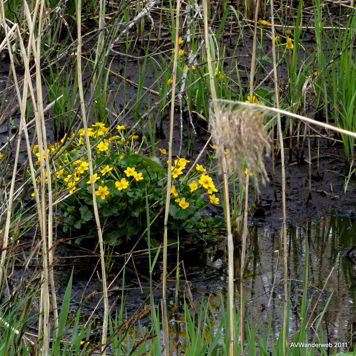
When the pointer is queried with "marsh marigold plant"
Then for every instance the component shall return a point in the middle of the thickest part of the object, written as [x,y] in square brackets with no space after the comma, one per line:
[122,181]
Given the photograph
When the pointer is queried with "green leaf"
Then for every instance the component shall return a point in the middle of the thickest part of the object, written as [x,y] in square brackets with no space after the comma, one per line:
[135,160]
[110,210]
[63,317]
[85,213]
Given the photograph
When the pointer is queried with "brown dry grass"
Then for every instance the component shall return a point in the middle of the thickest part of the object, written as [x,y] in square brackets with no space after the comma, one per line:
[239,134]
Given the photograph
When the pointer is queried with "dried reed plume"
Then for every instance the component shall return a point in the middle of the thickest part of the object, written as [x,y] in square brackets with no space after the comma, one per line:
[239,135]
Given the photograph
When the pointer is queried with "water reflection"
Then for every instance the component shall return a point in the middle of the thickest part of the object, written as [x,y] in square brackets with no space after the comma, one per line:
[321,251]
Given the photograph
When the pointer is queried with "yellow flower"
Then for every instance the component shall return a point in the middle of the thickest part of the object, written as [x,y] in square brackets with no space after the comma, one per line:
[185,68]
[213,199]
[60,173]
[174,191]
[93,178]
[205,181]
[181,52]
[120,127]
[277,38]
[177,172]
[264,22]
[183,203]
[133,137]
[180,40]
[212,189]
[71,184]
[102,192]
[68,178]
[102,131]
[253,100]
[138,177]
[122,184]
[105,170]
[289,43]
[33,194]
[84,165]
[182,162]
[170,81]
[90,132]
[35,148]
[73,189]
[99,124]
[200,168]
[45,154]
[193,186]
[194,67]
[130,172]
[163,151]
[80,170]
[103,146]
[122,157]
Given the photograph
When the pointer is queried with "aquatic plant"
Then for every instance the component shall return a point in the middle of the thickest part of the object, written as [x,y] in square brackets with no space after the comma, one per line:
[123,178]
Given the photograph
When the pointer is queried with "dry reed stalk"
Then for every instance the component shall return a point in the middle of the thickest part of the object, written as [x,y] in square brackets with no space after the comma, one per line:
[41,204]
[95,206]
[25,55]
[223,163]
[5,237]
[284,237]
[169,185]
[241,142]
[36,18]
[254,45]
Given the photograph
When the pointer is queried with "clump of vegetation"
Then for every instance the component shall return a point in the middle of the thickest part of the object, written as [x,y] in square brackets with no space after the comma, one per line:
[124,179]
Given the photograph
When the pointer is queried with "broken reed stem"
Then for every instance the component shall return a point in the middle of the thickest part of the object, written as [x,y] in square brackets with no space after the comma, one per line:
[91,171]
[169,186]
[290,114]
[284,236]
[224,167]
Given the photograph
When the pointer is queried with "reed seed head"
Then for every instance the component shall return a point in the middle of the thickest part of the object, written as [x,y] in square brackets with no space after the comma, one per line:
[240,138]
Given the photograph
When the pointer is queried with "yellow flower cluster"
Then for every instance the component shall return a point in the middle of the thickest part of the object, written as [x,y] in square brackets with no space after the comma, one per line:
[80,167]
[78,170]
[253,100]
[131,172]
[205,181]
